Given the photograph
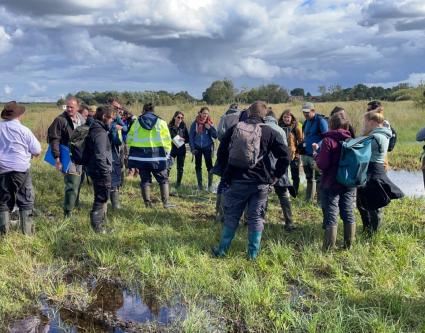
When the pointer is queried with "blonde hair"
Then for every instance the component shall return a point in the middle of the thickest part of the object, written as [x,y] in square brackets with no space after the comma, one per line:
[376,116]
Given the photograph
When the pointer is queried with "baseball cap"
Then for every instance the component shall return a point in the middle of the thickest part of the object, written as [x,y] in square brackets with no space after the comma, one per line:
[307,107]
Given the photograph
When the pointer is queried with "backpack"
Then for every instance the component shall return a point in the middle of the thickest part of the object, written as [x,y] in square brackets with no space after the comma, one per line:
[354,161]
[77,145]
[393,139]
[244,148]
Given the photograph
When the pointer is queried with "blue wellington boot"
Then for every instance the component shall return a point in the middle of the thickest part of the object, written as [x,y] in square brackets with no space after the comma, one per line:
[254,240]
[227,235]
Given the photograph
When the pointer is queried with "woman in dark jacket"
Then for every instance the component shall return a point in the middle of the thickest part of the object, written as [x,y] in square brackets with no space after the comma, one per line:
[202,134]
[334,195]
[178,127]
[99,166]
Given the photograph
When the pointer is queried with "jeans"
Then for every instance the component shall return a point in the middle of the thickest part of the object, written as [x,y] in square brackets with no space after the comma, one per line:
[240,195]
[101,187]
[207,153]
[16,187]
[331,200]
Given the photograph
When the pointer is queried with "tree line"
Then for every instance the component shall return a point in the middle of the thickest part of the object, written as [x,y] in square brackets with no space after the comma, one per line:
[224,92]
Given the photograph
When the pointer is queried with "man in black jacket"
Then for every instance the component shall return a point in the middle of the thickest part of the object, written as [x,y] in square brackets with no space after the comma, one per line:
[250,186]
[99,164]
[59,133]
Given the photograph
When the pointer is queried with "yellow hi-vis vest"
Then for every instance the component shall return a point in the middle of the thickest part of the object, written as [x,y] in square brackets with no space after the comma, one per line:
[149,146]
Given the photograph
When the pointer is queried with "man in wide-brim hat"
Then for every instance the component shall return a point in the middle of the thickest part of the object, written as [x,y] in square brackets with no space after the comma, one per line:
[17,145]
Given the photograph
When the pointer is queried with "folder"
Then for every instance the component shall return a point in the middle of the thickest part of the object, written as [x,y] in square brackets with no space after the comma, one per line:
[65,157]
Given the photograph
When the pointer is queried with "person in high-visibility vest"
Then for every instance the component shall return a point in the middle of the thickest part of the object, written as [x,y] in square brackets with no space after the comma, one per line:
[149,141]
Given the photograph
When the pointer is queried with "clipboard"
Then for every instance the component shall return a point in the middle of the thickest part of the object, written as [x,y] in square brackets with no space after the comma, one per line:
[65,157]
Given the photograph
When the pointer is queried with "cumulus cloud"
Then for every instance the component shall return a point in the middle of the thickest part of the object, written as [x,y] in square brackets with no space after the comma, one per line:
[7,89]
[182,44]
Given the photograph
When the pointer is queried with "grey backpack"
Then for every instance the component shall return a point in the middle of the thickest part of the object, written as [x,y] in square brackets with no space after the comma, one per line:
[244,148]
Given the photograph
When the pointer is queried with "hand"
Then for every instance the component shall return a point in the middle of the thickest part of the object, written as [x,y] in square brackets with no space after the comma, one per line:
[315,146]
[58,164]
[207,126]
[119,127]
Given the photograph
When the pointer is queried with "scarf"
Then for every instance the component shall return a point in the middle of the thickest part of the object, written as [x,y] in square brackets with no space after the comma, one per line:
[200,124]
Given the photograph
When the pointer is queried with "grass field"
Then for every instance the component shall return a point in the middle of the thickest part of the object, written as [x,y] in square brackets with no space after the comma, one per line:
[378,286]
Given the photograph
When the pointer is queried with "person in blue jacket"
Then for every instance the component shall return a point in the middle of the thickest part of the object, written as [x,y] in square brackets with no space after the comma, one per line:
[201,138]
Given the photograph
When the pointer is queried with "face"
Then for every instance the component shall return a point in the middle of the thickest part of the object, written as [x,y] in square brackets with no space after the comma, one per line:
[107,120]
[178,119]
[72,107]
[309,115]
[287,119]
[118,107]
[204,114]
[85,113]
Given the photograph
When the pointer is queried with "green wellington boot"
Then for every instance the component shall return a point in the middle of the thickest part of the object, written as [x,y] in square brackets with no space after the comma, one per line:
[227,235]
[349,235]
[254,240]
[329,239]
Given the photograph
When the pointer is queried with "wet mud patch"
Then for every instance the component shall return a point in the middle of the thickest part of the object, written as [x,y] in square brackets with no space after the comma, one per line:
[113,309]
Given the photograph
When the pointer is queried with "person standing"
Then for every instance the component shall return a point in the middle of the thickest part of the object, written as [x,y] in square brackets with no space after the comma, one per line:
[99,165]
[335,196]
[283,185]
[314,127]
[202,134]
[248,171]
[178,127]
[59,133]
[150,146]
[17,145]
[294,135]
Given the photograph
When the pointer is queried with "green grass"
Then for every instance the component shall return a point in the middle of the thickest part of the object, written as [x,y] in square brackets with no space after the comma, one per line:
[378,286]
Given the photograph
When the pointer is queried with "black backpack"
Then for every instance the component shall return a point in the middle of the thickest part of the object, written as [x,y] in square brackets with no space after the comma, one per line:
[77,145]
[393,139]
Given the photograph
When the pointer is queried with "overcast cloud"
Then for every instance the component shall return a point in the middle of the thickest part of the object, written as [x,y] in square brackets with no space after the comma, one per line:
[49,48]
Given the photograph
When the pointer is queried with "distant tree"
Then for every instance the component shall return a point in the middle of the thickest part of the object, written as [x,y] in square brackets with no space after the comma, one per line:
[220,92]
[297,92]
[60,102]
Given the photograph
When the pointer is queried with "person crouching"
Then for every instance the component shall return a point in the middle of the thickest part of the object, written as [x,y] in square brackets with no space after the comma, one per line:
[99,165]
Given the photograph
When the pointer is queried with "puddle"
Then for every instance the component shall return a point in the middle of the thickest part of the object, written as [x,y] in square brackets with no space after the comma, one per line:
[114,310]
[411,183]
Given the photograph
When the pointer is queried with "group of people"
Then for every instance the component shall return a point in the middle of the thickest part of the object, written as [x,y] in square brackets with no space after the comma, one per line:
[256,151]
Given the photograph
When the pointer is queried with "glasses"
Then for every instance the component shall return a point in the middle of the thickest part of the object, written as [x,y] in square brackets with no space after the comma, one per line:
[180,117]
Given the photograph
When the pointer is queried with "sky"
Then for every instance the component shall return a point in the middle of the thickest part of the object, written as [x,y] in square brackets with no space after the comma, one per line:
[49,48]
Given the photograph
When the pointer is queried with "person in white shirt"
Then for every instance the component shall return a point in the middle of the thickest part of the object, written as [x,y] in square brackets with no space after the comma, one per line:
[17,146]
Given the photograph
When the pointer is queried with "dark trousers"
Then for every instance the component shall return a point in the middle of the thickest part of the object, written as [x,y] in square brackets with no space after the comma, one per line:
[295,174]
[250,195]
[16,188]
[207,153]
[179,158]
[332,201]
[146,173]
[371,218]
[101,188]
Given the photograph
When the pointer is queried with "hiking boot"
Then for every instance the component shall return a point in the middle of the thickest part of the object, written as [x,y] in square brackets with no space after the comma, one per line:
[26,222]
[227,235]
[199,179]
[115,199]
[96,220]
[329,238]
[4,222]
[165,196]
[254,240]
[146,195]
[349,235]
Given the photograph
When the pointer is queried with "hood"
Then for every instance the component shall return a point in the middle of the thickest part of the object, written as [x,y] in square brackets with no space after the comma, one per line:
[338,135]
[148,120]
[97,123]
[231,111]
[382,130]
[270,120]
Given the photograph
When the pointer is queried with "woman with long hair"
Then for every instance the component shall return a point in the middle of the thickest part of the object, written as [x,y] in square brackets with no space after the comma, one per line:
[180,136]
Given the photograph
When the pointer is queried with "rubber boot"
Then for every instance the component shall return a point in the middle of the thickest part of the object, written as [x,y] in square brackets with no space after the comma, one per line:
[26,222]
[96,220]
[285,204]
[296,185]
[219,210]
[309,193]
[227,235]
[199,179]
[254,240]
[349,235]
[329,238]
[165,194]
[67,214]
[179,179]
[115,199]
[146,195]
[210,182]
[4,222]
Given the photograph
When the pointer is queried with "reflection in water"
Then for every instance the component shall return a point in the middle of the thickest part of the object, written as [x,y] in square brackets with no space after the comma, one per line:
[411,183]
[117,308]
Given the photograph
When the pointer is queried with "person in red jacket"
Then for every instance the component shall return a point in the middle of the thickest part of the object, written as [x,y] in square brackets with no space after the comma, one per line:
[335,196]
